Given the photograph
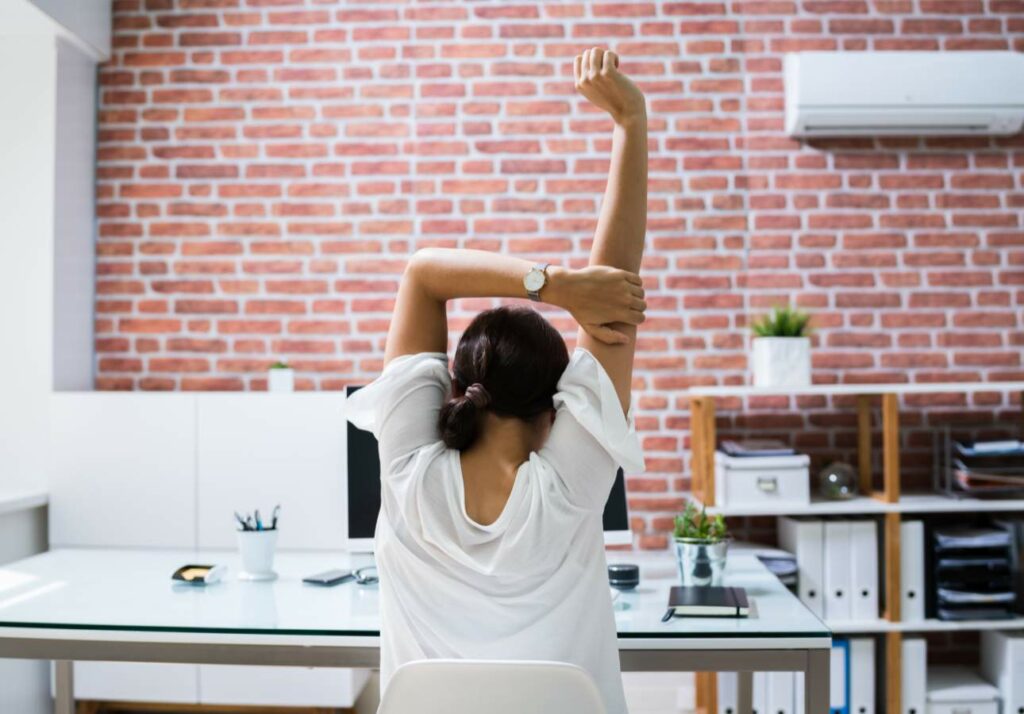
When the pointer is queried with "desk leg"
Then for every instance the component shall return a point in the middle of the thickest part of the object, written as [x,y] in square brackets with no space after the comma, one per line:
[64,684]
[816,681]
[745,693]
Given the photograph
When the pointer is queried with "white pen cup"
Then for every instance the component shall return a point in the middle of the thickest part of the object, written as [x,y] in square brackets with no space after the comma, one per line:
[257,551]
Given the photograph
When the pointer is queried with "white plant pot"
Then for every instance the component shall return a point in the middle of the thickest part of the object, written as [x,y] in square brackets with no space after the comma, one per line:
[281,380]
[782,361]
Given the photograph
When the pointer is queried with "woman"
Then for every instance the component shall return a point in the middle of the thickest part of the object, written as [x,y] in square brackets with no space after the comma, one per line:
[494,478]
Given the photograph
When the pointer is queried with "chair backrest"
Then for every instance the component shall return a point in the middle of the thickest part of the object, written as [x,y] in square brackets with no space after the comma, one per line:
[490,687]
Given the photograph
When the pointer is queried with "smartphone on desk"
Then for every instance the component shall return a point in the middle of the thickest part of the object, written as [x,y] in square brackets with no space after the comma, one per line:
[330,577]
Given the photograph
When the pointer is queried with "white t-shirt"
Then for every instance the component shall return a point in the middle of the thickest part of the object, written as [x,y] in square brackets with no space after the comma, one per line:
[533,585]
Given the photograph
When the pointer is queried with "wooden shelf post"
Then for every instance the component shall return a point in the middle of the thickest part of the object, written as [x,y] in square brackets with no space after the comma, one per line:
[893,672]
[702,448]
[891,447]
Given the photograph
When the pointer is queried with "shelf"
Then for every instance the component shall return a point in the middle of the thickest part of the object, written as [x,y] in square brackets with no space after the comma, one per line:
[849,627]
[865,505]
[22,500]
[746,390]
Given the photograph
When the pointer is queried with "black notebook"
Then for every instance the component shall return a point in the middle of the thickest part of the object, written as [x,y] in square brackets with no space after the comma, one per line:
[707,602]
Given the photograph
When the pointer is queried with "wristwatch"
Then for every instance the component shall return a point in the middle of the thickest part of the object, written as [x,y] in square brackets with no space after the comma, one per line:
[535,280]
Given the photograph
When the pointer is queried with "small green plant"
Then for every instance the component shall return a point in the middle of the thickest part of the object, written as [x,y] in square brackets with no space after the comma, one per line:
[783,322]
[697,525]
[279,365]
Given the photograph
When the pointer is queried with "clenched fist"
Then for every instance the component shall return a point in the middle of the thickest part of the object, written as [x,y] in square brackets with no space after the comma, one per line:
[597,77]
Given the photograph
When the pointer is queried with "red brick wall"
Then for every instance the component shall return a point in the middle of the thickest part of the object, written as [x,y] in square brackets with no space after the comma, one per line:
[265,167]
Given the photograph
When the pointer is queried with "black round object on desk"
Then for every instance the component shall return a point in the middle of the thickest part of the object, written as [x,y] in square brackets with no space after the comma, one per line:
[623,576]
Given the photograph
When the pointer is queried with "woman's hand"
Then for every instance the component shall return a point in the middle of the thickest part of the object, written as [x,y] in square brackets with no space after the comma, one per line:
[597,77]
[598,297]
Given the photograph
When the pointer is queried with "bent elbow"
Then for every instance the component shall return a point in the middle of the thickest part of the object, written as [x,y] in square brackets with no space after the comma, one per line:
[421,260]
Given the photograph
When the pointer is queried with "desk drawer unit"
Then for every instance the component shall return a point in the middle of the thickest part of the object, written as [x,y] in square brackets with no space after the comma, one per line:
[232,685]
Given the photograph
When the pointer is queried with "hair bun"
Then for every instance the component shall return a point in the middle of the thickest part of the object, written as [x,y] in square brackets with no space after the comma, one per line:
[478,395]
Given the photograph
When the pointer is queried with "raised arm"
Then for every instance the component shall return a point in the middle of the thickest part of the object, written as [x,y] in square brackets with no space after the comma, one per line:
[596,296]
[619,239]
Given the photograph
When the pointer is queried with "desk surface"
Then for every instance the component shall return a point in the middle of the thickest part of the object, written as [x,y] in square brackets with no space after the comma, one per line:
[130,591]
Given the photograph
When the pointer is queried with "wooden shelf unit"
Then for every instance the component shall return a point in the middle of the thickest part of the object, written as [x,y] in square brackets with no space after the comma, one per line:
[886,501]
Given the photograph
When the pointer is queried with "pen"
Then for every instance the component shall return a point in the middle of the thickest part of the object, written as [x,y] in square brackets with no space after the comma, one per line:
[245,526]
[668,615]
[273,517]
[259,523]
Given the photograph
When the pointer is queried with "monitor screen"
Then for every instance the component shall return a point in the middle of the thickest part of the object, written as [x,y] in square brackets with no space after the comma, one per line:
[363,490]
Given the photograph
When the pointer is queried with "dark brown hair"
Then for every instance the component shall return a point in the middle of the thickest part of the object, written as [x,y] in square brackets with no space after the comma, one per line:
[508,362]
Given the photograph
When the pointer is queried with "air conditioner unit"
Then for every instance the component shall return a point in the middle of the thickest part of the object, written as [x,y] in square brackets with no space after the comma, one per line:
[904,93]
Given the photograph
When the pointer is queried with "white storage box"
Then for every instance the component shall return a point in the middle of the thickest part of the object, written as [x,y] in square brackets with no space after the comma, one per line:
[763,481]
[959,690]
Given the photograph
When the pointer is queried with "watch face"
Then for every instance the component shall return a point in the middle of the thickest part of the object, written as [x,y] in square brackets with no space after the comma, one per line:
[534,280]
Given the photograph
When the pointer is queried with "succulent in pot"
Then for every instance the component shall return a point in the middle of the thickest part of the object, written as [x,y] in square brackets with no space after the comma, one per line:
[702,544]
[280,377]
[782,349]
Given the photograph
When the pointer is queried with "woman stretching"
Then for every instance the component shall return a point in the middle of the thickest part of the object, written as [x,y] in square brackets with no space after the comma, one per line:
[494,478]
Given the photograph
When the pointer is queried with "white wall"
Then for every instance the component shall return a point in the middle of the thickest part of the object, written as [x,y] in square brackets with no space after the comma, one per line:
[74,268]
[28,197]
[87,20]
[28,71]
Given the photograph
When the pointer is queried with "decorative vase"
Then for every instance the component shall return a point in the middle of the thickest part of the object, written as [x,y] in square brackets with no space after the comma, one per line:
[281,380]
[701,562]
[838,481]
[782,361]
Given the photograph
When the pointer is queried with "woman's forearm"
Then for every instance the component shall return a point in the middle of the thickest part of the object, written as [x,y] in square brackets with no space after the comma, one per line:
[436,275]
[449,273]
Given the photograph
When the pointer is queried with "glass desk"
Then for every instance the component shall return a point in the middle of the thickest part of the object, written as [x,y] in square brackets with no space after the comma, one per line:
[117,605]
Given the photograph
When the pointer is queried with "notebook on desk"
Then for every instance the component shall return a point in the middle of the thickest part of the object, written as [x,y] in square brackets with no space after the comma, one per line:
[686,601]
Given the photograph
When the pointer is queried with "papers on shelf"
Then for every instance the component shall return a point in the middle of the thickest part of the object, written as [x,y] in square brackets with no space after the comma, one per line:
[962,538]
[756,447]
[989,448]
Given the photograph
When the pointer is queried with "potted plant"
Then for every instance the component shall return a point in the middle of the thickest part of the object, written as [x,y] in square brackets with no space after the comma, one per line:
[280,378]
[782,349]
[702,543]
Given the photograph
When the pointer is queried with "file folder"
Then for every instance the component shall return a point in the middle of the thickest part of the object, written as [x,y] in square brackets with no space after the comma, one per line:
[760,693]
[914,687]
[912,571]
[1002,664]
[780,692]
[862,676]
[837,570]
[864,570]
[805,540]
[839,678]
[727,692]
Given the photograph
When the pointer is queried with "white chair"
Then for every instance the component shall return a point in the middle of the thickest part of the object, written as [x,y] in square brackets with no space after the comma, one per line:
[444,686]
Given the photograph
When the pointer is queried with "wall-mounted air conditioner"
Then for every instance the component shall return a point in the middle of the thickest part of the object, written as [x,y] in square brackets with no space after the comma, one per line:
[904,93]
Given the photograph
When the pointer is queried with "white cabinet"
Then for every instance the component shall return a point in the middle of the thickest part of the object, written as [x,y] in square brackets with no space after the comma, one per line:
[280,686]
[257,450]
[122,470]
[137,682]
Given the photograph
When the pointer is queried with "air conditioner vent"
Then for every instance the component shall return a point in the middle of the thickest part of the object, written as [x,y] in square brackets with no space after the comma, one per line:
[835,94]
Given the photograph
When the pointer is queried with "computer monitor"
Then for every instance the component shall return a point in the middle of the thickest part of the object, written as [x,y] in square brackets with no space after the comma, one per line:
[363,493]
